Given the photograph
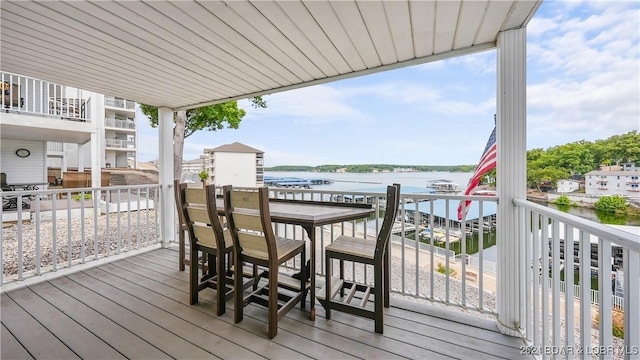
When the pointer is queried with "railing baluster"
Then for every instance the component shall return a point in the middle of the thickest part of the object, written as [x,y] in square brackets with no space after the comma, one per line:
[585,290]
[38,228]
[555,291]
[631,261]
[545,279]
[604,292]
[82,230]
[69,233]
[569,263]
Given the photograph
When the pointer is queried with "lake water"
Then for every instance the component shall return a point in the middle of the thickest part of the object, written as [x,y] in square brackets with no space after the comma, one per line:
[368,181]
[378,182]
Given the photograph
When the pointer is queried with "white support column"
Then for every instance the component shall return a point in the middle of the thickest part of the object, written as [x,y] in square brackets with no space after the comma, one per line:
[96,110]
[165,166]
[81,149]
[511,177]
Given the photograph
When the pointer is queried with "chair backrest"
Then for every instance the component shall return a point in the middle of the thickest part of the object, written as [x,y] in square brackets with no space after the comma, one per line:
[199,213]
[249,221]
[3,182]
[390,212]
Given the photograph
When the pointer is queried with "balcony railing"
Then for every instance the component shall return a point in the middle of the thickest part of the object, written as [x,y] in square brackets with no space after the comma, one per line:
[64,233]
[29,96]
[119,144]
[452,263]
[553,315]
[119,103]
[55,146]
[120,124]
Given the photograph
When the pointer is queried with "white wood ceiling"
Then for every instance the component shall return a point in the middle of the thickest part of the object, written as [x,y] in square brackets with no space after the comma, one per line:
[181,54]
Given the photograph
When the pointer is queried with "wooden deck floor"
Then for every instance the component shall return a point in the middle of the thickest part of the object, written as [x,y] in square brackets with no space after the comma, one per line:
[138,308]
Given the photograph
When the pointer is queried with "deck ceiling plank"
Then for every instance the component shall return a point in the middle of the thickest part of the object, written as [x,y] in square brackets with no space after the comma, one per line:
[329,21]
[446,24]
[292,31]
[35,338]
[144,41]
[19,53]
[399,20]
[279,29]
[10,347]
[83,342]
[97,42]
[166,314]
[230,13]
[491,25]
[188,44]
[469,22]
[423,19]
[375,19]
[239,46]
[304,20]
[197,53]
[193,16]
[128,343]
[116,309]
[350,16]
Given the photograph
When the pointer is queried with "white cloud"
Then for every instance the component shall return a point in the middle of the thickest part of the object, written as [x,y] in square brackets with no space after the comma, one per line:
[586,79]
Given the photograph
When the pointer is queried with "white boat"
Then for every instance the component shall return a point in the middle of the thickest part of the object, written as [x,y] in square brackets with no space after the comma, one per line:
[443,186]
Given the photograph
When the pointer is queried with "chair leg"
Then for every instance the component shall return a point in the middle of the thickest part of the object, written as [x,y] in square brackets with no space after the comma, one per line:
[378,301]
[273,303]
[342,277]
[238,292]
[193,275]
[304,275]
[221,283]
[387,281]
[327,295]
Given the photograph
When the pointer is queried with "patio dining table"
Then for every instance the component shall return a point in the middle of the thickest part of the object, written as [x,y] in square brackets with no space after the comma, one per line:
[309,215]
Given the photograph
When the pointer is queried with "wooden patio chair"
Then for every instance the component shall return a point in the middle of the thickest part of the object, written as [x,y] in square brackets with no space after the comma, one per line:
[255,242]
[368,252]
[206,234]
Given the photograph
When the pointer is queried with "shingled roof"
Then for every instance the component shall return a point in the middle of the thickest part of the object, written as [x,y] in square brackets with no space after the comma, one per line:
[235,147]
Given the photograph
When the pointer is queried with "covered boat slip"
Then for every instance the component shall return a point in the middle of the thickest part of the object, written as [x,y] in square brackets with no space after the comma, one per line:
[137,308]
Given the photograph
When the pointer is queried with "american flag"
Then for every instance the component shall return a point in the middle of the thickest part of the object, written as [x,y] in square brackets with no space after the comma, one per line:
[487,162]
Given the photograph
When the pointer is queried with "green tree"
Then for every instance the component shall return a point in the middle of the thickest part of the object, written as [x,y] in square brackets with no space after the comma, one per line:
[210,117]
[611,203]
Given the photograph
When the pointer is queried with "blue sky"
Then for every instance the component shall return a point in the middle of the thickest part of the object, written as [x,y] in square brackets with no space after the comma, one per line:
[583,83]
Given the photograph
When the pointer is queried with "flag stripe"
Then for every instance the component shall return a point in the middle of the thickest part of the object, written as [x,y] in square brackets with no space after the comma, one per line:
[486,163]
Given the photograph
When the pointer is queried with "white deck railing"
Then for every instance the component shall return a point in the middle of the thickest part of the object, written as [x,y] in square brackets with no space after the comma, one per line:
[425,269]
[51,234]
[30,96]
[553,319]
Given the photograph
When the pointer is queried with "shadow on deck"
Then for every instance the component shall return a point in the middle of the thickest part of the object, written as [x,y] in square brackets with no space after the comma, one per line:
[138,308]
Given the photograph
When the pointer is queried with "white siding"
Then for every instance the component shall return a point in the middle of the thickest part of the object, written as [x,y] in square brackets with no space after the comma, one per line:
[566,186]
[618,183]
[237,169]
[31,169]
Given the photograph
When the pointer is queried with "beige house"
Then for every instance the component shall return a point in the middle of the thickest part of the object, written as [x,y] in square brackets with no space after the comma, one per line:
[236,164]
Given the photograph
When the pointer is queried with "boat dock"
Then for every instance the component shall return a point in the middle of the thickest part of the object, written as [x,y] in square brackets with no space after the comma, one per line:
[294,182]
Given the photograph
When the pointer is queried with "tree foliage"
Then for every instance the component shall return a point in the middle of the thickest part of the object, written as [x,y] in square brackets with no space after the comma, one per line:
[580,157]
[210,117]
[611,203]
